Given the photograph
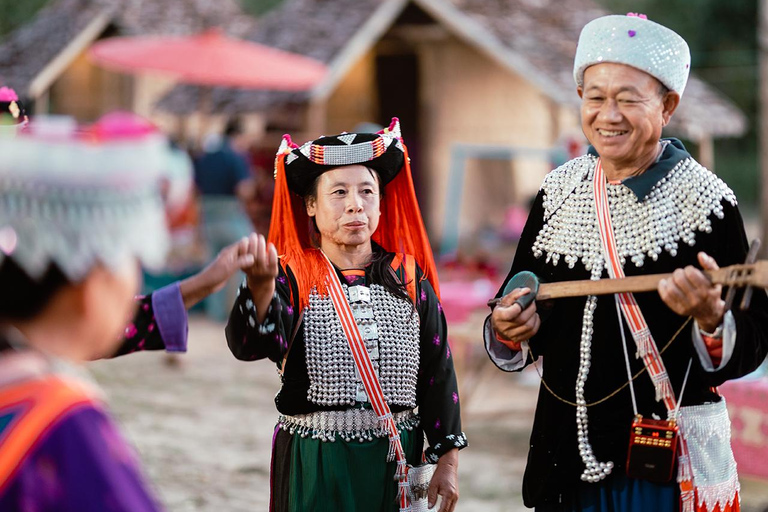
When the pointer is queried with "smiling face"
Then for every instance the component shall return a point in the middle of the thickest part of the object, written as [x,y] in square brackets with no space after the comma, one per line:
[346,206]
[623,111]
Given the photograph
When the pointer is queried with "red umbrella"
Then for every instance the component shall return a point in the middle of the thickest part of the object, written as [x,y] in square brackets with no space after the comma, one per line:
[210,58]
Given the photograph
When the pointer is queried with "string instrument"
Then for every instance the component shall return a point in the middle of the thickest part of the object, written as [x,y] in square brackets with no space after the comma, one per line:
[750,274]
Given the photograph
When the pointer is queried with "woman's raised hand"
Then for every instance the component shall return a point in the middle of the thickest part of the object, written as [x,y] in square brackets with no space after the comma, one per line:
[264,267]
[215,275]
[262,273]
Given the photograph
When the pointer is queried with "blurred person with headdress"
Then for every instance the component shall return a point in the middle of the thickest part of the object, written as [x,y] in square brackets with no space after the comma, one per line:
[160,322]
[80,209]
[350,313]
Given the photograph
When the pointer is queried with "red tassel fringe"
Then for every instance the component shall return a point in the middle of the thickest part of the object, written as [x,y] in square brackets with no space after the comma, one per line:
[401,229]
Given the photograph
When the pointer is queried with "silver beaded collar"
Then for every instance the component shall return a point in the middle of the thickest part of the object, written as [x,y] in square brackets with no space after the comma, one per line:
[678,206]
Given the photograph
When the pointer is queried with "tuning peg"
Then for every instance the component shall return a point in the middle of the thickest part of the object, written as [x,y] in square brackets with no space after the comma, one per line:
[751,258]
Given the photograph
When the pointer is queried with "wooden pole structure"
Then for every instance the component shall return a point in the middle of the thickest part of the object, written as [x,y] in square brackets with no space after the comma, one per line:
[762,41]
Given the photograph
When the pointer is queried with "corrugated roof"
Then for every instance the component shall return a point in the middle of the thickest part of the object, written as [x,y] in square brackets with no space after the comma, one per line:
[25,52]
[534,38]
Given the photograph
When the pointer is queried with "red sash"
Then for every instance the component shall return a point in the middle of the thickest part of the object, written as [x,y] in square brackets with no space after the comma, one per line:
[646,346]
[370,383]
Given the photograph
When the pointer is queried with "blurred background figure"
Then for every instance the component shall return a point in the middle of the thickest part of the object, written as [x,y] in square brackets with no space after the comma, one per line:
[224,182]
[13,116]
[257,193]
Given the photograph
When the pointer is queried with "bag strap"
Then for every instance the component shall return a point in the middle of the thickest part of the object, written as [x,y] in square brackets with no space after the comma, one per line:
[370,381]
[646,345]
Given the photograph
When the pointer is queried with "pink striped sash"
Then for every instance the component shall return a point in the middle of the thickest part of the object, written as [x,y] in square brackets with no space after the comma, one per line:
[646,346]
[370,382]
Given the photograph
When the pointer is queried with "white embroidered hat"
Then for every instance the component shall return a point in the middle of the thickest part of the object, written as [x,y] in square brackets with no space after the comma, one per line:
[78,197]
[638,42]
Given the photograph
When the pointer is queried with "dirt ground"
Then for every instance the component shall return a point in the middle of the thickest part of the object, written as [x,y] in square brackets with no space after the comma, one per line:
[203,429]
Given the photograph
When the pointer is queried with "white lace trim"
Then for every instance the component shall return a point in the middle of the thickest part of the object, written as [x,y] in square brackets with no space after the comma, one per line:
[707,431]
[78,204]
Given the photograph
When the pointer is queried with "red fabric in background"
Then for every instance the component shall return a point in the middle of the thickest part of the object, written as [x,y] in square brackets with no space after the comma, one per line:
[748,408]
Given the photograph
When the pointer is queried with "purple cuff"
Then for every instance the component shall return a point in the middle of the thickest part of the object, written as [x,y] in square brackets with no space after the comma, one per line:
[171,317]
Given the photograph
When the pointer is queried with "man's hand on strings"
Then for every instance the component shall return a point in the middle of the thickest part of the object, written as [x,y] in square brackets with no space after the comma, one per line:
[690,293]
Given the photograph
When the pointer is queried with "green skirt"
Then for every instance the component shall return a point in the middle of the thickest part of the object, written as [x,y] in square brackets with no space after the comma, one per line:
[340,476]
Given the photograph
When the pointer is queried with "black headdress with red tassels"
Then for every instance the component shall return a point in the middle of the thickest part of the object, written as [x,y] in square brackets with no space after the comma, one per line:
[401,227]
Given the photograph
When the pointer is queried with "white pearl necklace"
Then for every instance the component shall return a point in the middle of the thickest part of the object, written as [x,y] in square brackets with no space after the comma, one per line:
[594,470]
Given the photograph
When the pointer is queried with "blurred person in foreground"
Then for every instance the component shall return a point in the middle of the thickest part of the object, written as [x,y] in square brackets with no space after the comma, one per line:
[352,245]
[161,321]
[223,179]
[79,210]
[607,359]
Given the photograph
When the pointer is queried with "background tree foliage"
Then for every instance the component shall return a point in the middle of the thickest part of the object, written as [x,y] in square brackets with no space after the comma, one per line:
[724,52]
[259,7]
[14,13]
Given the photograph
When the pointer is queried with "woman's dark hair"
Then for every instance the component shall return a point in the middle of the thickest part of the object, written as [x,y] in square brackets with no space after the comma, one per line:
[378,270]
[22,297]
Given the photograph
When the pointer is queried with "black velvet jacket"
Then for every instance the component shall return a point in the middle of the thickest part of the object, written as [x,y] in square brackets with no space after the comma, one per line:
[436,391]
[554,465]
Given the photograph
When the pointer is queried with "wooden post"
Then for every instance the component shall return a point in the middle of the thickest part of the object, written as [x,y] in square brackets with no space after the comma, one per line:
[762,39]
[316,118]
[707,152]
[42,104]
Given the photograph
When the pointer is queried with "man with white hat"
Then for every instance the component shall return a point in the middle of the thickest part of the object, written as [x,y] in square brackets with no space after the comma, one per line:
[608,433]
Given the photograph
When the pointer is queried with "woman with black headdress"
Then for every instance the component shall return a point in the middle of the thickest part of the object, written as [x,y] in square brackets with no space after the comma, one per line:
[349,311]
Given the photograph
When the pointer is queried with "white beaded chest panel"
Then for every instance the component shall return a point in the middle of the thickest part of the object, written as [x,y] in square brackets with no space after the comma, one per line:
[389,326]
[677,207]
